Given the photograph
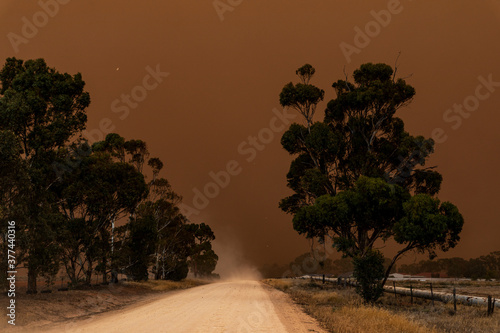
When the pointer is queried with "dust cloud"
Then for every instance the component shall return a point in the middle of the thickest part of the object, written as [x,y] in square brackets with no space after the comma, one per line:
[232,264]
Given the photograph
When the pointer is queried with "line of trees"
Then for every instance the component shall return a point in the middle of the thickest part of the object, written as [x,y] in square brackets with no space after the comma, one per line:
[313,263]
[483,267]
[307,263]
[68,197]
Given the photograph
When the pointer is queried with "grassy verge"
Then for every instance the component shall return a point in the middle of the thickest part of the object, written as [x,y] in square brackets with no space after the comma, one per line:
[163,285]
[341,310]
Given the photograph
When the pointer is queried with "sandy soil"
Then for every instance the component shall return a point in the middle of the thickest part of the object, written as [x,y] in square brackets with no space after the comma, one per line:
[233,307]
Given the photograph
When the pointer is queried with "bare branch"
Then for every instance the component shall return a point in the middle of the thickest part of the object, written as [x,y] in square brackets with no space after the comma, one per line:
[396,66]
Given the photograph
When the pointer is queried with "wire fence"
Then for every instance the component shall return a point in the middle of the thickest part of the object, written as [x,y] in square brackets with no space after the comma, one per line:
[489,301]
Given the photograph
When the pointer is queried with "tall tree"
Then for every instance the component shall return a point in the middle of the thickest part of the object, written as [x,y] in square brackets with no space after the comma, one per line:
[359,177]
[101,190]
[136,247]
[174,241]
[44,109]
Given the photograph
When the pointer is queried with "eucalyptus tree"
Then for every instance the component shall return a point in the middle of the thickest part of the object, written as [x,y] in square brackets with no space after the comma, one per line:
[359,177]
[99,191]
[156,232]
[44,110]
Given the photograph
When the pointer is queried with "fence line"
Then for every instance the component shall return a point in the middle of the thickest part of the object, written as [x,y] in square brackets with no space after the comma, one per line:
[432,295]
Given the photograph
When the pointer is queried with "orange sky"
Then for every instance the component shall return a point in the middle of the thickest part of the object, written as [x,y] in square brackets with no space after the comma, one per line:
[225,77]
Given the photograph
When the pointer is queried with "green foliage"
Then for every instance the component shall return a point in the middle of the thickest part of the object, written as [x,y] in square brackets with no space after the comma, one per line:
[91,197]
[358,177]
[41,106]
[381,207]
[369,272]
[178,270]
[140,247]
[305,73]
[302,97]
[202,258]
[427,224]
[176,245]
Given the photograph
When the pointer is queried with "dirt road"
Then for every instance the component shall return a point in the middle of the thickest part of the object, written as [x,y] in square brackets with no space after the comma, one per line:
[232,307]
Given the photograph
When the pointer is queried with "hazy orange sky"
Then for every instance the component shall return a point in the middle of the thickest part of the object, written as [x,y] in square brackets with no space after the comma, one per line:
[226,68]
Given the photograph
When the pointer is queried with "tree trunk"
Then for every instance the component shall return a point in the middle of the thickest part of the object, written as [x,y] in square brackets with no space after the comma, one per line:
[157,273]
[394,260]
[88,273]
[71,270]
[163,266]
[104,275]
[104,239]
[32,275]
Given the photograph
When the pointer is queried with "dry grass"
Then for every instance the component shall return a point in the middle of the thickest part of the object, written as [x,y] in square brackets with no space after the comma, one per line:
[372,319]
[164,285]
[280,284]
[468,319]
[341,310]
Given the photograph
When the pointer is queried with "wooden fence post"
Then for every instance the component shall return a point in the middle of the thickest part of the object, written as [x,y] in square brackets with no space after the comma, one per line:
[411,293]
[490,310]
[455,299]
[432,295]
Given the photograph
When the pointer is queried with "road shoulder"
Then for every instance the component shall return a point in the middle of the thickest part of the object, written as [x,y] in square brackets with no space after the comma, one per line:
[291,315]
